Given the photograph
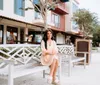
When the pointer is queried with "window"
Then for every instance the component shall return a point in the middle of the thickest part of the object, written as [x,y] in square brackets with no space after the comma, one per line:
[36,1]
[56,20]
[17,5]
[1,34]
[75,8]
[37,15]
[1,4]
[74,24]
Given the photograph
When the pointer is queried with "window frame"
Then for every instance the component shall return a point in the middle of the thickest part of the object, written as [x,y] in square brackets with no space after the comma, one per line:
[54,20]
[1,5]
[74,7]
[37,15]
[17,9]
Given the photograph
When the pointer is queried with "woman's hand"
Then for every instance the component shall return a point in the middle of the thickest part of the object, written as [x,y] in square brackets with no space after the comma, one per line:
[48,52]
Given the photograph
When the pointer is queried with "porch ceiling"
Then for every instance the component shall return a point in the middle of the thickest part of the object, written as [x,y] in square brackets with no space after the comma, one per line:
[17,23]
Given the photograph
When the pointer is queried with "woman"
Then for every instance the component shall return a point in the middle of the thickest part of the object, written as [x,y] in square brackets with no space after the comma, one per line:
[49,55]
[11,38]
[30,38]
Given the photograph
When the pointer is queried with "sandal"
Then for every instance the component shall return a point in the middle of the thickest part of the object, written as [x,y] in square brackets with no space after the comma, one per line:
[49,80]
[56,82]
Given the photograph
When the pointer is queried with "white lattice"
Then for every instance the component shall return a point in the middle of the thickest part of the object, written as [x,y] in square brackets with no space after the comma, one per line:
[69,57]
[66,49]
[19,53]
[23,53]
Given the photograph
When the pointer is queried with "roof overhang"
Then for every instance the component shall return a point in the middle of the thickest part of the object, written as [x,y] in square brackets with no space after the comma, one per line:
[16,23]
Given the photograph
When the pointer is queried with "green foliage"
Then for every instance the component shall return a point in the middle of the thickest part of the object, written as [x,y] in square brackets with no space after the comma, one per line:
[86,21]
[96,36]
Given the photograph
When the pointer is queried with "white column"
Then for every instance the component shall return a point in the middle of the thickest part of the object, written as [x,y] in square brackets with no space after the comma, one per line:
[18,35]
[5,34]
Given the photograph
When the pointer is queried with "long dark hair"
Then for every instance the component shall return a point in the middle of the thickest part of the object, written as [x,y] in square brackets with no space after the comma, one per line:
[45,36]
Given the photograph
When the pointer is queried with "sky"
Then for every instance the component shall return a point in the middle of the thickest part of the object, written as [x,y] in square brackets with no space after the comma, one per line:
[91,5]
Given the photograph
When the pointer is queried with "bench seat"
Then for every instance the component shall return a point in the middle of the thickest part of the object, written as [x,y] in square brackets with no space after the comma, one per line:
[24,70]
[29,70]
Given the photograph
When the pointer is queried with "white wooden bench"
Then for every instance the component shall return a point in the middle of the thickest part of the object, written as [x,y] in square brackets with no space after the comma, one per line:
[19,60]
[69,57]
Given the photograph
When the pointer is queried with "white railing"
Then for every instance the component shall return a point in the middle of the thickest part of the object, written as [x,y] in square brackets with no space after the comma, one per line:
[23,53]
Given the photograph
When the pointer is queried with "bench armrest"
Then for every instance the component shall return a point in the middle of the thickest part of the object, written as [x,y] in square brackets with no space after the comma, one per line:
[82,52]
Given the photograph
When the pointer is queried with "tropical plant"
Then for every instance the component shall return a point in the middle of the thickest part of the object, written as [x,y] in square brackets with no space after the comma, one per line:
[86,21]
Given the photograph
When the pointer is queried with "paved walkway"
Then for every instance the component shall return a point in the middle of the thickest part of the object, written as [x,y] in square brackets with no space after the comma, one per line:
[79,75]
[88,76]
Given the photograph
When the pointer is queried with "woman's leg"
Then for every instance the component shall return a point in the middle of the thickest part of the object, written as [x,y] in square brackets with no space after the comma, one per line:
[52,67]
[55,70]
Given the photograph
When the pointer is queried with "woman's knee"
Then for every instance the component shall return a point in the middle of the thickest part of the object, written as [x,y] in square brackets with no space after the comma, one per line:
[55,61]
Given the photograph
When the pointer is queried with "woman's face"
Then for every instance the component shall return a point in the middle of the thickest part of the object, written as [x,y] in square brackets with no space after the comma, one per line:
[49,35]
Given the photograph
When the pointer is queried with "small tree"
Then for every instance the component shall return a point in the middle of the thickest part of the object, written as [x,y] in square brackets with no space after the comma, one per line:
[42,6]
[86,21]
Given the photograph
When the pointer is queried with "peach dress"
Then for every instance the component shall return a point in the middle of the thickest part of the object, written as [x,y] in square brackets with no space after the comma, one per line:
[48,59]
